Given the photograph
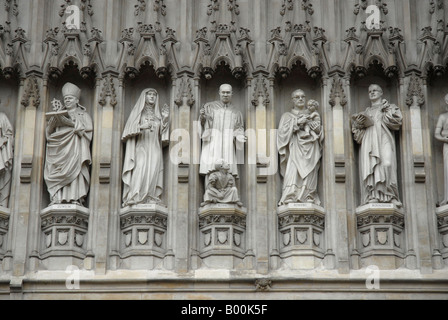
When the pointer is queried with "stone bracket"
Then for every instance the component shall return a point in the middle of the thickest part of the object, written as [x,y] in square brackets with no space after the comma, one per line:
[222,240]
[381,238]
[64,231]
[339,170]
[143,241]
[183,172]
[301,234]
[104,174]
[4,227]
[442,224]
[26,168]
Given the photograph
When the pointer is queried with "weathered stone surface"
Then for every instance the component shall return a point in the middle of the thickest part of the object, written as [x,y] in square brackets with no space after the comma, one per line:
[333,50]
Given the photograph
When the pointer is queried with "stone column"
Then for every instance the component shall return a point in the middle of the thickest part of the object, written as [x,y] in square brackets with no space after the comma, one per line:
[264,154]
[335,145]
[183,135]
[414,163]
[18,243]
[105,195]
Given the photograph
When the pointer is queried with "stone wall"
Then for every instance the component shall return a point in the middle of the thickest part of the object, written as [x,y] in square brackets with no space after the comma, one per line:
[185,50]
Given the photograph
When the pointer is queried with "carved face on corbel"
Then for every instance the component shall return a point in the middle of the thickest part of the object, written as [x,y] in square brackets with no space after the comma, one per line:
[298,99]
[225,93]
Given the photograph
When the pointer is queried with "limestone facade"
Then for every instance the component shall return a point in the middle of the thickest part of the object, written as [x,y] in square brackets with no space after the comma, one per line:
[185,49]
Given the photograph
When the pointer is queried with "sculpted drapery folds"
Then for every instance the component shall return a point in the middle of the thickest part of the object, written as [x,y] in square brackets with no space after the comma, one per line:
[372,129]
[6,158]
[441,134]
[299,142]
[222,132]
[69,132]
[221,187]
[145,133]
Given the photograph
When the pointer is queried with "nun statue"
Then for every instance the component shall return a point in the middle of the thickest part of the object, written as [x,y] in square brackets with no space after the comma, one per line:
[145,134]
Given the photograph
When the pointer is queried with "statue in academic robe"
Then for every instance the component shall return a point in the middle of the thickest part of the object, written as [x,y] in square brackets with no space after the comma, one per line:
[441,134]
[146,132]
[299,142]
[6,158]
[222,133]
[373,130]
[69,132]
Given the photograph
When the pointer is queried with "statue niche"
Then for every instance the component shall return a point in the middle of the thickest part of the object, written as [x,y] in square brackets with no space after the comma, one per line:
[299,141]
[373,130]
[69,132]
[145,134]
[6,158]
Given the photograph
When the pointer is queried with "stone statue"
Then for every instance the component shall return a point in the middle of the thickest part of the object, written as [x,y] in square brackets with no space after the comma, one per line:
[6,158]
[69,132]
[221,186]
[145,134]
[299,142]
[441,134]
[377,154]
[222,133]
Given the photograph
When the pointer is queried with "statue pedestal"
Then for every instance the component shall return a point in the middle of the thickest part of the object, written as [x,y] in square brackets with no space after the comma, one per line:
[301,235]
[64,229]
[380,235]
[4,226]
[222,238]
[143,236]
[442,223]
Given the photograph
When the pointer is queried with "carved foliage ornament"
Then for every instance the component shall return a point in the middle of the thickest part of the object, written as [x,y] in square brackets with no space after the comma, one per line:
[289,5]
[260,90]
[222,219]
[185,91]
[153,219]
[435,5]
[85,6]
[415,90]
[232,6]
[31,92]
[108,91]
[12,7]
[140,7]
[363,4]
[337,91]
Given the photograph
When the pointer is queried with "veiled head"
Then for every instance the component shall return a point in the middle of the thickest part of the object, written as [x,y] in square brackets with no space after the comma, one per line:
[151,96]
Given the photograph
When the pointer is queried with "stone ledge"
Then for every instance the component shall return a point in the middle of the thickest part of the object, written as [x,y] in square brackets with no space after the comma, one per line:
[125,284]
[301,213]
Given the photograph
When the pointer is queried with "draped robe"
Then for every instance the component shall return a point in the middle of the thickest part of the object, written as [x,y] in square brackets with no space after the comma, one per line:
[442,124]
[6,158]
[143,163]
[377,155]
[300,155]
[218,134]
[223,182]
[68,159]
